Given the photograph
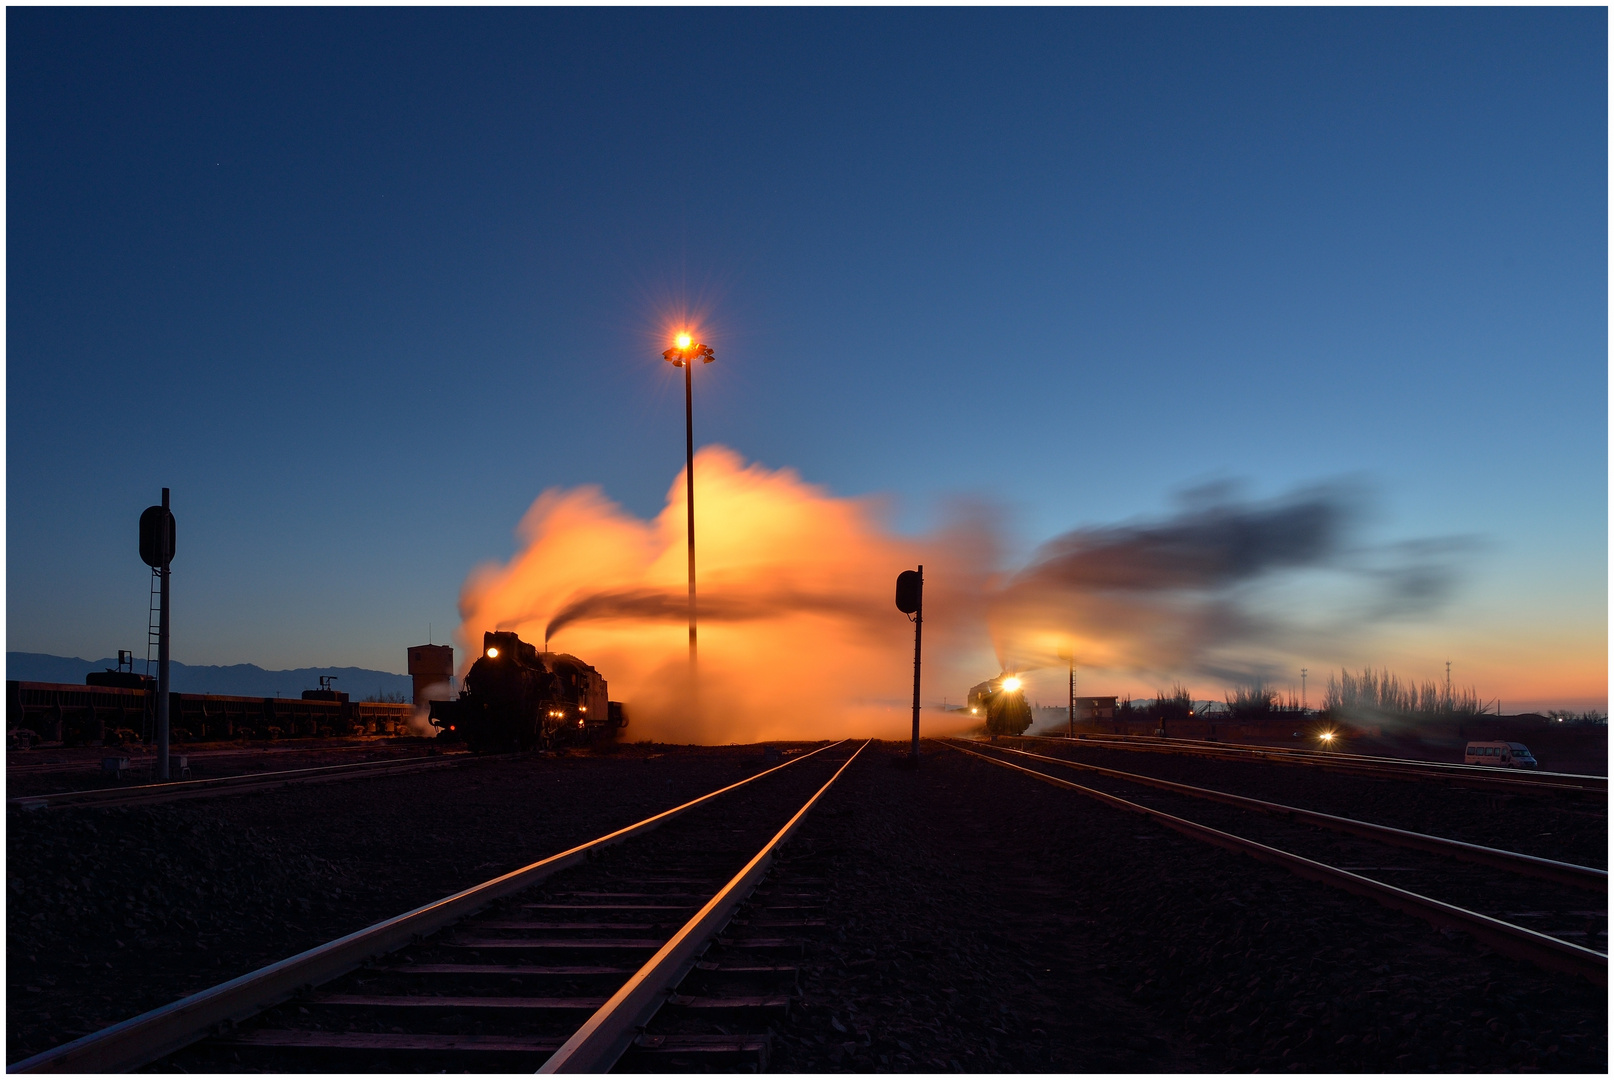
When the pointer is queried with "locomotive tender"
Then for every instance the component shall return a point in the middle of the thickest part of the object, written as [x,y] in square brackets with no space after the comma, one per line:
[517,698]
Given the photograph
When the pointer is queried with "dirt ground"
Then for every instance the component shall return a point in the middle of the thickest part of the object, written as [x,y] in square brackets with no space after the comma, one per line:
[978,921]
[112,912]
[985,922]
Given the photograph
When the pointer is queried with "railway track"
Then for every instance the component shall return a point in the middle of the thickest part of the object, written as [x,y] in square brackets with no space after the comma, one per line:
[141,760]
[1562,899]
[244,782]
[1474,776]
[561,964]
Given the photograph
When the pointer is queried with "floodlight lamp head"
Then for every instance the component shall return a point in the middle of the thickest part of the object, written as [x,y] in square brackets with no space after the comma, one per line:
[685,350]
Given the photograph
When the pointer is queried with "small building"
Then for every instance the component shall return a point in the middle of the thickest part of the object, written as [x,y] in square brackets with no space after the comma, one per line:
[1095,708]
[432,668]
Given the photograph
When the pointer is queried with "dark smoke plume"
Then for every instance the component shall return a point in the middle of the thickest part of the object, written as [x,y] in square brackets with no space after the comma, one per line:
[716,605]
[1191,594]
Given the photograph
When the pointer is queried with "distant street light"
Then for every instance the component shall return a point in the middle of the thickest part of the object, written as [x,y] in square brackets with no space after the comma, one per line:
[685,351]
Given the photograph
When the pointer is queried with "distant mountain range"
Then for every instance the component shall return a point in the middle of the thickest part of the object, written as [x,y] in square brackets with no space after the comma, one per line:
[240,680]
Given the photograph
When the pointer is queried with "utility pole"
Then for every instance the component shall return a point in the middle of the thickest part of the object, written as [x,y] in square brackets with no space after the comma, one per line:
[1448,686]
[1302,689]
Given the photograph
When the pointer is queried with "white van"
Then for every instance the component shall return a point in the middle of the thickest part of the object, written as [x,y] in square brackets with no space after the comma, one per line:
[1502,755]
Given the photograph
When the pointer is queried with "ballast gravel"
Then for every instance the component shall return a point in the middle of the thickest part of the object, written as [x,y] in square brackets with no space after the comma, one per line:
[977,920]
[986,922]
[112,912]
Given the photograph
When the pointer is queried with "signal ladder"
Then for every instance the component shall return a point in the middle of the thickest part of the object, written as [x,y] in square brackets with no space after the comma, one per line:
[153,636]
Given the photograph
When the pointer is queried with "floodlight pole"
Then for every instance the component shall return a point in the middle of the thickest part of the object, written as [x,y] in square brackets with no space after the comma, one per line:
[684,353]
[689,489]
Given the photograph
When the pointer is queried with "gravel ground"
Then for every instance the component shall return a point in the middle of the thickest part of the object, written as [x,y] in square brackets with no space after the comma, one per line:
[44,771]
[986,922]
[979,920]
[113,912]
[1553,827]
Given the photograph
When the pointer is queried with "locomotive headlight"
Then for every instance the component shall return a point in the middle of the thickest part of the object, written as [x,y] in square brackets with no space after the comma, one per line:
[493,653]
[1011,683]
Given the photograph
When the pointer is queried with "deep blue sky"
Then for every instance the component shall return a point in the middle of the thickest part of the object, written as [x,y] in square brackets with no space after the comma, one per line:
[358,285]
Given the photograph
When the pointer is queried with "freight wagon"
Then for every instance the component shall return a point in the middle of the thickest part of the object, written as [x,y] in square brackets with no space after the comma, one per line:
[92,715]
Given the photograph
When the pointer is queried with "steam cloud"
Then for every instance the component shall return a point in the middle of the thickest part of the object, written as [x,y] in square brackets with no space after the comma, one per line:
[799,637]
[798,634]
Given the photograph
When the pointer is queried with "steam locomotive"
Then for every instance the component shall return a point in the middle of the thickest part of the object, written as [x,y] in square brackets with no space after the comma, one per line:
[517,698]
[1002,702]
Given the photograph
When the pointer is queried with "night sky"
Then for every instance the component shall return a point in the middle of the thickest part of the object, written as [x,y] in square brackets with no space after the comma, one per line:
[359,285]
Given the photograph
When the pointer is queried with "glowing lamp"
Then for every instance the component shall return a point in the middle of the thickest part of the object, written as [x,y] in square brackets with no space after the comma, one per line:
[1011,683]
[493,653]
[686,350]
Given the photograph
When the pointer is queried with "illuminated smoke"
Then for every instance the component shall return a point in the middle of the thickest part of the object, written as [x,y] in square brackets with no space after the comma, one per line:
[799,636]
[1229,589]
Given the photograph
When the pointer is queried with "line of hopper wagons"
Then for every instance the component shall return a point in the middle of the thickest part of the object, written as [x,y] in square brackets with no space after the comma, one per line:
[513,698]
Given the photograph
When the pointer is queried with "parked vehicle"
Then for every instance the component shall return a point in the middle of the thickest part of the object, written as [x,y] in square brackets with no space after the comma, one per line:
[1501,755]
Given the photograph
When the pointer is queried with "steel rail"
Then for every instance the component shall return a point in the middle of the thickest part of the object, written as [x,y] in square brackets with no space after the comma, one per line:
[229,785]
[141,1039]
[140,760]
[1578,781]
[606,1035]
[1405,768]
[1585,877]
[1337,757]
[1518,942]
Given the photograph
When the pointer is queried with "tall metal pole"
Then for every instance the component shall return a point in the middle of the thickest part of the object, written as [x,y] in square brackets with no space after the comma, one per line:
[162,658]
[918,627]
[1073,699]
[689,488]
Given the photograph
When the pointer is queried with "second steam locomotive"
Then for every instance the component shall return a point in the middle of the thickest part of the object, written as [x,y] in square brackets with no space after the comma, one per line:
[517,698]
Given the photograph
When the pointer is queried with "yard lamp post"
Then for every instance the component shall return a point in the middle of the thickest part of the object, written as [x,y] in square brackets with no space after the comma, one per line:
[685,351]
